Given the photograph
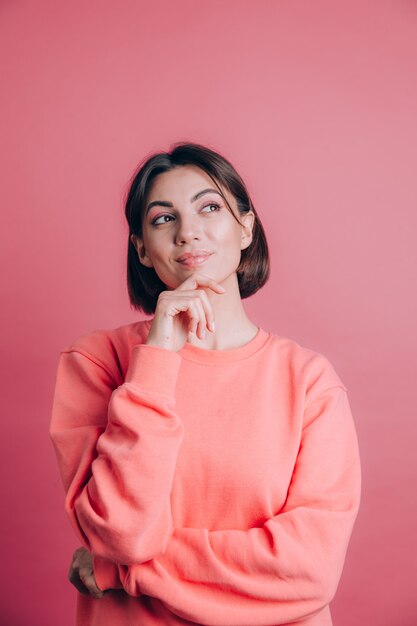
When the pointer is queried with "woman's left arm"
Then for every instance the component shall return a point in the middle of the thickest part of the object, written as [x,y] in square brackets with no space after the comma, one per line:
[284,571]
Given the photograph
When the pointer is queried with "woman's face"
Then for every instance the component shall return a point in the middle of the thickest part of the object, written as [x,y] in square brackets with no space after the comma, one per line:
[191,223]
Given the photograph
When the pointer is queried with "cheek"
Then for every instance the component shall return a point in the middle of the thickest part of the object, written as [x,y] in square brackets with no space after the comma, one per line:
[155,249]
[233,239]
[224,231]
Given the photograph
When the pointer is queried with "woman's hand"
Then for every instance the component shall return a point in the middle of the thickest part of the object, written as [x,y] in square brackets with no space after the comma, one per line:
[81,573]
[183,310]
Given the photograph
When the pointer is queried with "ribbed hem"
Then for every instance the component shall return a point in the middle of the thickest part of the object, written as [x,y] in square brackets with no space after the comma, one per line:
[153,368]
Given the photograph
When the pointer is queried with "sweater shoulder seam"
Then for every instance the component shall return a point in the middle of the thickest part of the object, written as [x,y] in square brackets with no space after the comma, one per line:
[93,359]
[325,387]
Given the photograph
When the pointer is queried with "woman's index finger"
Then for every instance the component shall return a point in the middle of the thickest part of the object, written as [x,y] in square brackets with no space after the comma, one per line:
[200,279]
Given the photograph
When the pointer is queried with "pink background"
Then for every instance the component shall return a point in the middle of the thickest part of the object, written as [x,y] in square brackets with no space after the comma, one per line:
[315,103]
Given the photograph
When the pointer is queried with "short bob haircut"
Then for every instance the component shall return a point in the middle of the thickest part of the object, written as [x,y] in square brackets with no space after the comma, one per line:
[144,285]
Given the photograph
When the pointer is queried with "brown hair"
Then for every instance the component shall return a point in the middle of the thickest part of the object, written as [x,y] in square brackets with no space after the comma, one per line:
[143,283]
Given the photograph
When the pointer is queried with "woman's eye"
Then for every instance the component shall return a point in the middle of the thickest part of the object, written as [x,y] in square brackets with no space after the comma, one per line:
[212,204]
[156,223]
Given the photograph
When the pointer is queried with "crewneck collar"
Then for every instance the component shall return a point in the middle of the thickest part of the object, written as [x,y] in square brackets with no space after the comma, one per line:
[190,352]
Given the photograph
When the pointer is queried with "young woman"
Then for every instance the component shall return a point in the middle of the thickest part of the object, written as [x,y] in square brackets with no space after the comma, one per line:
[211,468]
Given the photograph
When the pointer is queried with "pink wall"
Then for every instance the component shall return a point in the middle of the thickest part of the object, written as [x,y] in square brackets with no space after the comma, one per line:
[315,103]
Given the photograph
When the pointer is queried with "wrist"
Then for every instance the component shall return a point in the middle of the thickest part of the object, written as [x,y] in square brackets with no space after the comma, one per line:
[106,574]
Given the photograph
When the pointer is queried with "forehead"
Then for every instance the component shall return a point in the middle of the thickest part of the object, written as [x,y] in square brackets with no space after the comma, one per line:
[181,183]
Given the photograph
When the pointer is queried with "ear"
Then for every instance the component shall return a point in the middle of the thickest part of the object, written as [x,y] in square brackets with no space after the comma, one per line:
[140,249]
[248,220]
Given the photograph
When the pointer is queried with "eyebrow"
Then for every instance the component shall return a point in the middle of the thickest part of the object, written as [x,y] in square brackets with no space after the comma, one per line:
[169,204]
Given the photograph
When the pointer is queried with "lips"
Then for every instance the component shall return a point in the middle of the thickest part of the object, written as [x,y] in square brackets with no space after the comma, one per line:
[195,255]
[193,261]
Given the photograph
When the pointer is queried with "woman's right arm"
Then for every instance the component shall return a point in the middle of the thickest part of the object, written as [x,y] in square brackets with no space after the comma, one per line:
[117,449]
[117,446]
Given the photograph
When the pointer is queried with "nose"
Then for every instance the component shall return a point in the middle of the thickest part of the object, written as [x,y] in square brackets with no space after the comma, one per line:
[188,229]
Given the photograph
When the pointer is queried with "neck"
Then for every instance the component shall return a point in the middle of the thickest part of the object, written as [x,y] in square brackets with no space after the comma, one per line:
[233,327]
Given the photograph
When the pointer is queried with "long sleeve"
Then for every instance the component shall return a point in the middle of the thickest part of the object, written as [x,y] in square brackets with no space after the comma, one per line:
[117,448]
[279,573]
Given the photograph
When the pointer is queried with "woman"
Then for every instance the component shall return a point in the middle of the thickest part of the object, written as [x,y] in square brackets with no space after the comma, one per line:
[211,468]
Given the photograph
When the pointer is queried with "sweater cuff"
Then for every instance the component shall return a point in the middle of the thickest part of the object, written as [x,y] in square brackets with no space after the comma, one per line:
[106,574]
[153,368]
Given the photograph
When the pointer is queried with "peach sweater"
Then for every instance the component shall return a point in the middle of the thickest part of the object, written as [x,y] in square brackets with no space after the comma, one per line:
[215,487]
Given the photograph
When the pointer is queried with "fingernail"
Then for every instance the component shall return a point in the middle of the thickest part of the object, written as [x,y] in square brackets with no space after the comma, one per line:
[213,326]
